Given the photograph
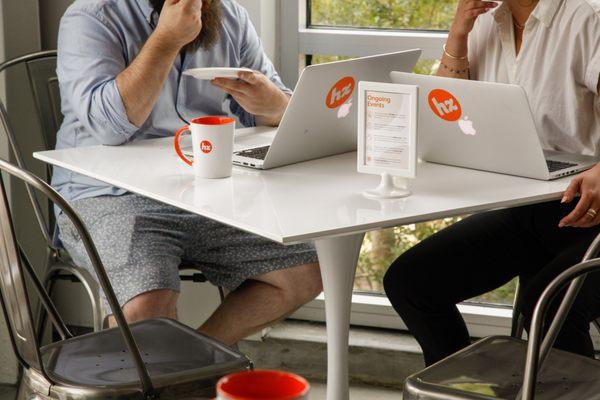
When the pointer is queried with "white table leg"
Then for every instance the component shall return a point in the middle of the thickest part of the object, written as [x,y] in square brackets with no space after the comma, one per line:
[338,258]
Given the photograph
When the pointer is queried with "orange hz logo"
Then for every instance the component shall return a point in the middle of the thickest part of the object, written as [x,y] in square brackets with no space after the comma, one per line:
[445,105]
[206,146]
[340,92]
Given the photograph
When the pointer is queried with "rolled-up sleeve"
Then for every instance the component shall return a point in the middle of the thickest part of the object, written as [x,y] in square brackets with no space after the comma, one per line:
[253,56]
[90,57]
[590,35]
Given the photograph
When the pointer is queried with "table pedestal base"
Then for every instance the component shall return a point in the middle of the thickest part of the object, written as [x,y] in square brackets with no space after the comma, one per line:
[338,258]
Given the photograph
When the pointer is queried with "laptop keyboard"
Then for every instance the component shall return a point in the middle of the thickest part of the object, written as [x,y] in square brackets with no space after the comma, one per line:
[259,153]
[554,166]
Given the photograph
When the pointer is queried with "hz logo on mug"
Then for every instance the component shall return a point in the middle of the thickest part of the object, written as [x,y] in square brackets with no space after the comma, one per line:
[445,105]
[340,92]
[206,146]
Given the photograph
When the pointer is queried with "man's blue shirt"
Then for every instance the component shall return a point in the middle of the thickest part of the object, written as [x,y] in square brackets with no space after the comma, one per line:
[98,39]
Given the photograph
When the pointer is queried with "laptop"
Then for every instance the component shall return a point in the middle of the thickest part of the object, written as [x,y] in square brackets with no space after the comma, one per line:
[485,126]
[321,118]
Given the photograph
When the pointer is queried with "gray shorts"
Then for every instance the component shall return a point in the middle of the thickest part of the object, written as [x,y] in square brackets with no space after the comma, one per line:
[143,242]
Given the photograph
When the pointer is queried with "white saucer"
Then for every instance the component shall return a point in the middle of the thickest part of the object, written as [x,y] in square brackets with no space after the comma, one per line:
[213,73]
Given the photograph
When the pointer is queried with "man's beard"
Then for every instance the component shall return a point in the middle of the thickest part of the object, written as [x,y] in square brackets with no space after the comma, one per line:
[211,24]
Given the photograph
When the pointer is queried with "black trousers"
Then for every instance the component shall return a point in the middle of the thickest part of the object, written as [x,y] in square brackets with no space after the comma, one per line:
[480,254]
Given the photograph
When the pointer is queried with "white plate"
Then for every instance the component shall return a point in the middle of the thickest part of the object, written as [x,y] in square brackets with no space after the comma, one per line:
[213,73]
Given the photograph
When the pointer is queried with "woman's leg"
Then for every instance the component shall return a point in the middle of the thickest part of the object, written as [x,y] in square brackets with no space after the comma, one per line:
[568,246]
[463,261]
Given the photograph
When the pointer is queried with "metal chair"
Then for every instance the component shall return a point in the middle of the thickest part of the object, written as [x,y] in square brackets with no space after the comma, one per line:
[40,69]
[151,359]
[493,367]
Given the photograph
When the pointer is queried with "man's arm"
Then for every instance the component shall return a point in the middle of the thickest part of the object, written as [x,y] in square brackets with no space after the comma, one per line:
[91,59]
[140,84]
[260,97]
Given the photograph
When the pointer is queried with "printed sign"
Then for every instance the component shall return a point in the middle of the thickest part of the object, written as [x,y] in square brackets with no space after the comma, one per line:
[387,129]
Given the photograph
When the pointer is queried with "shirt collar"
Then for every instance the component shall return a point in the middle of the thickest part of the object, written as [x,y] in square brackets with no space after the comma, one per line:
[147,10]
[543,12]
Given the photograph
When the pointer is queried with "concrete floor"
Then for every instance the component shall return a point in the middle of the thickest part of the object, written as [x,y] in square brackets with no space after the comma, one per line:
[318,392]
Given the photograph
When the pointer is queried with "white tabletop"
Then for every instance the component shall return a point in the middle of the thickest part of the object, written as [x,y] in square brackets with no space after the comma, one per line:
[301,202]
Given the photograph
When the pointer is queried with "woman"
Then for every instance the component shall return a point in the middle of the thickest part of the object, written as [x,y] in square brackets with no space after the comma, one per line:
[552,49]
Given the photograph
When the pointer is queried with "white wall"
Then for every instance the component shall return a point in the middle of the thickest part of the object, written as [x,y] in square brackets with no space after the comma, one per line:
[264,16]
[19,34]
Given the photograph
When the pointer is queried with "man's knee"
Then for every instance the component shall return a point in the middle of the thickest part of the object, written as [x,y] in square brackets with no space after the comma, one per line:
[154,304]
[297,285]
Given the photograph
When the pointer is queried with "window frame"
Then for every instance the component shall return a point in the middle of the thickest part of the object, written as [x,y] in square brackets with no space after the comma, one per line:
[297,40]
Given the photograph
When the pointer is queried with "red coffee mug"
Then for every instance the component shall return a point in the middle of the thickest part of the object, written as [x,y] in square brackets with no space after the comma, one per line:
[263,385]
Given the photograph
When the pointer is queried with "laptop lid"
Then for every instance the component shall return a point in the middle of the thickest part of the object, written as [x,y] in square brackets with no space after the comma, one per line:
[479,125]
[321,119]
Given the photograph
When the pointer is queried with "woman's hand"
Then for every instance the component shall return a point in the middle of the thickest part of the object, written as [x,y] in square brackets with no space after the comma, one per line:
[467,13]
[587,212]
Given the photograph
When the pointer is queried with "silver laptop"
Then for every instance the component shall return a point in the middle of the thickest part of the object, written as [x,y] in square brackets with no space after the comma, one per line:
[485,126]
[321,119]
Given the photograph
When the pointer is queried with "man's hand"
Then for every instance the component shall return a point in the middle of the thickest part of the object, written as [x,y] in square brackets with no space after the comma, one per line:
[587,212]
[257,95]
[180,22]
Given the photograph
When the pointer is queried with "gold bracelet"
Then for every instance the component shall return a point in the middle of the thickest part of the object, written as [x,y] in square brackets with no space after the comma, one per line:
[456,71]
[453,56]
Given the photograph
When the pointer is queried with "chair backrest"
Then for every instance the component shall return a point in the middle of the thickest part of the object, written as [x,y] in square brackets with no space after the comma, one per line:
[42,84]
[41,69]
[15,298]
[14,293]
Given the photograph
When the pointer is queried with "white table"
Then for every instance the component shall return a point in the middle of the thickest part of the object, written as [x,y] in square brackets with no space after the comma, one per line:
[317,201]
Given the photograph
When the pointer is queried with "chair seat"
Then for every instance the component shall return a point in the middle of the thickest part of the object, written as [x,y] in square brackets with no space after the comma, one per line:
[173,353]
[493,369]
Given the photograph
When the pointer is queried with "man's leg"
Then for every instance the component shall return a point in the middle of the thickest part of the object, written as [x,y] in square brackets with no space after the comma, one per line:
[267,281]
[154,304]
[139,247]
[262,301]
[463,261]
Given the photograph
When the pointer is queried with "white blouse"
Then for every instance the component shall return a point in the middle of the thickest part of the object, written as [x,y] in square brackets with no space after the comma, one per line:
[558,66]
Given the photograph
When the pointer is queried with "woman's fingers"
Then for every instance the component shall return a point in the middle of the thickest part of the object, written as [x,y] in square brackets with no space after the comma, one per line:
[573,190]
[591,217]
[579,212]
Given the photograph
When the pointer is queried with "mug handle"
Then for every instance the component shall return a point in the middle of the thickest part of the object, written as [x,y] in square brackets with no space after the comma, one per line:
[178,146]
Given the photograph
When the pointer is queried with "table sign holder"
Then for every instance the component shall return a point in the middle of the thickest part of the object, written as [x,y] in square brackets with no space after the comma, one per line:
[387,137]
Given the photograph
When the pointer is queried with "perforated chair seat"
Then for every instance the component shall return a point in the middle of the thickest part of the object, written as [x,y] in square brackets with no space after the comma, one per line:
[493,369]
[172,352]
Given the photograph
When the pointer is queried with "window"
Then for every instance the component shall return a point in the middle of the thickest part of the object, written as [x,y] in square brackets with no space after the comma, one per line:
[318,31]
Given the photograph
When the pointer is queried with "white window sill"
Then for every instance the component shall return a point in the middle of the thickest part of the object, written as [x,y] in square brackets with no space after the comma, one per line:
[376,311]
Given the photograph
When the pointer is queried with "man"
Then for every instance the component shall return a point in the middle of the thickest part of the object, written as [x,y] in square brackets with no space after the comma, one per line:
[120,65]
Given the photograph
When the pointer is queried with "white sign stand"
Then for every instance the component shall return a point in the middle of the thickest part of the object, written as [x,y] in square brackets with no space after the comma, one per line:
[389,188]
[387,137]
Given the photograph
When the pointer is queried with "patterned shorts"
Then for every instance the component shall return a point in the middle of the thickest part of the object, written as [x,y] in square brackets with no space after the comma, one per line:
[142,244]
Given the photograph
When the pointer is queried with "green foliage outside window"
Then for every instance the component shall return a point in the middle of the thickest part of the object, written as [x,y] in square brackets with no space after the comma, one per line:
[381,248]
[384,14]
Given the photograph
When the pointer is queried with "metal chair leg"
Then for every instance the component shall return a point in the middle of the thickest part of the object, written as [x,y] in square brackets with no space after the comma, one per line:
[518,321]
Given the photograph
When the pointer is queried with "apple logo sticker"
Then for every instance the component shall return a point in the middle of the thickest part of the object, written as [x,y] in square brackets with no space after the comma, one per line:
[467,127]
[344,110]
